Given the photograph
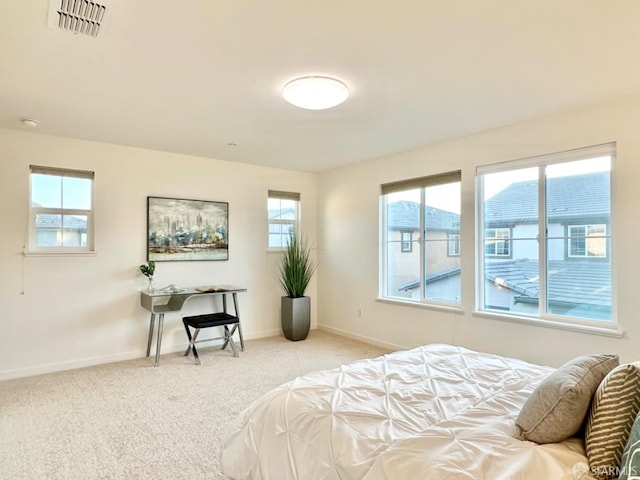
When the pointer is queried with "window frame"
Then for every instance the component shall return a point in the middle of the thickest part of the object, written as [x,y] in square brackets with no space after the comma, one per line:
[404,185]
[283,195]
[545,317]
[498,240]
[586,238]
[406,246]
[453,239]
[34,211]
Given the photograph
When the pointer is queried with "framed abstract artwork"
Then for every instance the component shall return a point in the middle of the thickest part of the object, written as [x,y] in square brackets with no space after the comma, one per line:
[183,230]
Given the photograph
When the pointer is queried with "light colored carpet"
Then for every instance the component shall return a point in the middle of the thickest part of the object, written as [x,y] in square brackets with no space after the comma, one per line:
[129,420]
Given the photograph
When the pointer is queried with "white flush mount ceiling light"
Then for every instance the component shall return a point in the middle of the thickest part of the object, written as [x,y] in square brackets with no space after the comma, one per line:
[315,93]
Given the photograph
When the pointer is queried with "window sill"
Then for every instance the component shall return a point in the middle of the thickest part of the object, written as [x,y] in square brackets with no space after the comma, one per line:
[428,306]
[614,332]
[59,253]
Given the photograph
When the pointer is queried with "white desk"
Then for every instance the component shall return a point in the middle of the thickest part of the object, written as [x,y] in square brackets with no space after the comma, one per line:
[159,303]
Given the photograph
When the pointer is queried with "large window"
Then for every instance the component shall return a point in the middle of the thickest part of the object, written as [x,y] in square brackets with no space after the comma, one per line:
[553,262]
[61,210]
[283,211]
[421,239]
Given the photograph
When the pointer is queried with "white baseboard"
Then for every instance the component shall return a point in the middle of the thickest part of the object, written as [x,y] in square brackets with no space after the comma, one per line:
[120,357]
[363,338]
[68,365]
[117,357]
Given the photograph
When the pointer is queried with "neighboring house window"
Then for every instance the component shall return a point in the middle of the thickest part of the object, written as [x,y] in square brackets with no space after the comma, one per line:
[454,244]
[406,241]
[424,213]
[553,264]
[497,242]
[283,211]
[587,241]
[61,210]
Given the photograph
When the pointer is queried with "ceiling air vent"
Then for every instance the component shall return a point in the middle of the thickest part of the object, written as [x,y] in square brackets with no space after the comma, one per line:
[77,16]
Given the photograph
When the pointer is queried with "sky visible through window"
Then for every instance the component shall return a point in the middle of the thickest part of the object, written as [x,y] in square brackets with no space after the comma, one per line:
[446,197]
[51,191]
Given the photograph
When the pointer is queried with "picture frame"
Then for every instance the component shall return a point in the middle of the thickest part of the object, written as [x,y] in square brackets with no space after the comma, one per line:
[187,230]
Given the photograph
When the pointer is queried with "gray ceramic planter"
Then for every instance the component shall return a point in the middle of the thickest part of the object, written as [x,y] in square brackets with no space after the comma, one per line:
[296,317]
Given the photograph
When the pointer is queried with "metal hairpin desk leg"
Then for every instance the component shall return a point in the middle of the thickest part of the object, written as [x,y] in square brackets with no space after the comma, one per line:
[235,306]
[151,323]
[159,339]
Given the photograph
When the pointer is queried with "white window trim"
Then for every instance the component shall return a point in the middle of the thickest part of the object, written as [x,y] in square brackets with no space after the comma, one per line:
[586,239]
[406,246]
[31,249]
[453,238]
[497,239]
[609,328]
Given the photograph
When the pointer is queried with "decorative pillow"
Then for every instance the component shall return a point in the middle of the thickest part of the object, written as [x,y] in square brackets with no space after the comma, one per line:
[630,465]
[557,408]
[613,410]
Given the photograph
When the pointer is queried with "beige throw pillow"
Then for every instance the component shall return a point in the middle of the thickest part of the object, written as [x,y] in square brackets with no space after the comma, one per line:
[557,408]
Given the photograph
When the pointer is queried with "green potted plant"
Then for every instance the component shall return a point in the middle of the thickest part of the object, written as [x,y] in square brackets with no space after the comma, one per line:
[296,269]
[148,270]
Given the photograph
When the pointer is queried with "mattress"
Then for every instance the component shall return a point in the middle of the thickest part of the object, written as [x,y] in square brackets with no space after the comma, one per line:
[434,412]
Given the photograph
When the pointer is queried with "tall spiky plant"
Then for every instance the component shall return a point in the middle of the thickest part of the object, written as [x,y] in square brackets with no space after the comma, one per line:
[297,267]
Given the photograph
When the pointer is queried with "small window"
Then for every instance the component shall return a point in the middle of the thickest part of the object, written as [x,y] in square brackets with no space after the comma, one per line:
[587,241]
[497,242]
[453,248]
[407,239]
[61,210]
[283,211]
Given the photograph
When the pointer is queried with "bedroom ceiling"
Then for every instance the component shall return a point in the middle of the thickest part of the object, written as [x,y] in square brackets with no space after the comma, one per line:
[204,77]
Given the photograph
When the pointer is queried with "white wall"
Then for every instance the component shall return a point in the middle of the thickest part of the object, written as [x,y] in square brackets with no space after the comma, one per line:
[348,239]
[65,312]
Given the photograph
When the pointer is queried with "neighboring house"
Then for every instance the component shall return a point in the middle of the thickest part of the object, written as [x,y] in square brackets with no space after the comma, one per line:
[50,233]
[442,237]
[578,248]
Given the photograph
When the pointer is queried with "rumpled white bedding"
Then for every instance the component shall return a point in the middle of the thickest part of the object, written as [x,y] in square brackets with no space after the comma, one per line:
[435,412]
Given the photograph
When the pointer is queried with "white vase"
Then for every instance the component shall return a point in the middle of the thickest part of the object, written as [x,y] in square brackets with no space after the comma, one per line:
[150,287]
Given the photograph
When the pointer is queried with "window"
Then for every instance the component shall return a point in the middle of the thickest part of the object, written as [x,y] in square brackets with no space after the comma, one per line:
[553,263]
[497,242]
[283,210]
[454,244]
[61,213]
[407,240]
[420,221]
[587,241]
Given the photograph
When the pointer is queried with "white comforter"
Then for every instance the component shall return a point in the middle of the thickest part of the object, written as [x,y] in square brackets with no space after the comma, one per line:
[434,412]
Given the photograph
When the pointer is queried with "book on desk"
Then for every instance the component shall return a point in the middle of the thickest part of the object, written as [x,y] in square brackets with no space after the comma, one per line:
[211,288]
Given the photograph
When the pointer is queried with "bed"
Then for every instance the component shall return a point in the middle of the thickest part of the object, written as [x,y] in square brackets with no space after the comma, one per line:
[434,412]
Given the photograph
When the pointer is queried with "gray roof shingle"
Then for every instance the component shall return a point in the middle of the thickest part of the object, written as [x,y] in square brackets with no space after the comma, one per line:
[571,197]
[405,215]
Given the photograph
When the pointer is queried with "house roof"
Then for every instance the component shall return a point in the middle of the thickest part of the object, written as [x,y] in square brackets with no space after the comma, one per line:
[405,215]
[45,220]
[571,197]
[282,214]
[571,283]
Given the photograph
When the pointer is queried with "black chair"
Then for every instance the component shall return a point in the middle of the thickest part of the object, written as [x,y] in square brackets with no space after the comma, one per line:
[221,319]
